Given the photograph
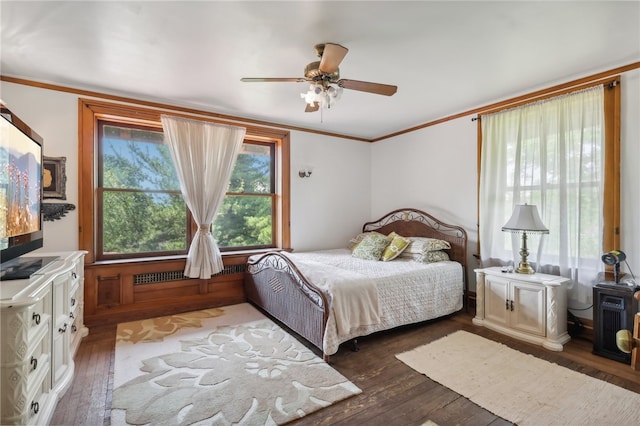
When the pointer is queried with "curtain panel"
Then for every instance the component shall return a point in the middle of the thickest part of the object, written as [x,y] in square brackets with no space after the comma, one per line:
[550,154]
[204,155]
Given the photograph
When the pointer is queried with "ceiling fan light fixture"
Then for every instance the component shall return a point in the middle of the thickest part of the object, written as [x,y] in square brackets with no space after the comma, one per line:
[323,96]
[334,92]
[312,95]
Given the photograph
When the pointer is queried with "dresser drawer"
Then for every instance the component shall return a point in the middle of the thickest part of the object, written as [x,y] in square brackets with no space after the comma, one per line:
[39,358]
[38,315]
[23,327]
[76,334]
[21,368]
[77,273]
[39,395]
[74,300]
[27,393]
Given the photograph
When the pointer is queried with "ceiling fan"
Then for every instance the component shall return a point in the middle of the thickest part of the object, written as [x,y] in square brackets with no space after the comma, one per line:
[324,78]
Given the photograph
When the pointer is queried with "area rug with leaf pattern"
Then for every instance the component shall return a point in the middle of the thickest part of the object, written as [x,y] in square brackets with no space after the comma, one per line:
[229,365]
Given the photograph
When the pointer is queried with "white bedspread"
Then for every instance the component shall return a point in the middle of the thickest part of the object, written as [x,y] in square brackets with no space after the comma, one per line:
[407,291]
[353,295]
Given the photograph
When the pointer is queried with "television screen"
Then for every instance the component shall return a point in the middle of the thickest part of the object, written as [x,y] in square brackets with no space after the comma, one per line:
[20,187]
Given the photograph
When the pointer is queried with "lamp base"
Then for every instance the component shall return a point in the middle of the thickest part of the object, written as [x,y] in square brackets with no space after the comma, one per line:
[525,268]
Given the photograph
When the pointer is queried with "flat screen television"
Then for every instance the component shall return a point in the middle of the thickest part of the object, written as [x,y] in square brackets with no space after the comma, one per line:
[20,196]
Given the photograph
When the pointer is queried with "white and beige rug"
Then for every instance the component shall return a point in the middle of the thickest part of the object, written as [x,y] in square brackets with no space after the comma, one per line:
[230,365]
[519,387]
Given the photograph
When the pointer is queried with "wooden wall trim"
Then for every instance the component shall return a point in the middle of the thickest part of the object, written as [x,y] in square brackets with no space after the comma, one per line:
[159,105]
[529,97]
[112,294]
[604,74]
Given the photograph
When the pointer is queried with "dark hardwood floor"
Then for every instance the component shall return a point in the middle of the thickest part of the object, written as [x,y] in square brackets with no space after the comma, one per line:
[393,394]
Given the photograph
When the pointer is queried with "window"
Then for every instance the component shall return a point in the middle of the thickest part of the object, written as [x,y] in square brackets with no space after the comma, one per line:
[140,208]
[558,154]
[136,199]
[245,219]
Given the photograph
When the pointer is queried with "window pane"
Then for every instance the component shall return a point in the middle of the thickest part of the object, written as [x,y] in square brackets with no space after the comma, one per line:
[136,159]
[139,222]
[244,221]
[252,172]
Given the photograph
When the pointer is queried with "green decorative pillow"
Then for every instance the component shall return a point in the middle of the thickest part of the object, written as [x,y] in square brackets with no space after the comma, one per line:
[423,245]
[358,238]
[433,256]
[371,246]
[397,245]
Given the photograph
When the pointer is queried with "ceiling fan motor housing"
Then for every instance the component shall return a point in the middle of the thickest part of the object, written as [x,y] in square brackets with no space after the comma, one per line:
[312,72]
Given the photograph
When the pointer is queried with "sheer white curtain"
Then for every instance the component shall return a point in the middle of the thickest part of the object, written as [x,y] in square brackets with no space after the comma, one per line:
[204,155]
[551,154]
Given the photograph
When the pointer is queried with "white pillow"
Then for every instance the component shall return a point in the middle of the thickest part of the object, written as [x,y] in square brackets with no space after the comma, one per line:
[420,245]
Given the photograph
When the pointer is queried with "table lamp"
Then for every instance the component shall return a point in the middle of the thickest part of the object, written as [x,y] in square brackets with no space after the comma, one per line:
[525,218]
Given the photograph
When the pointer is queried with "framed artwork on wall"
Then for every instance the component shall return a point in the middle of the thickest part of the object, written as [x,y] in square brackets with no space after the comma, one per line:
[54,177]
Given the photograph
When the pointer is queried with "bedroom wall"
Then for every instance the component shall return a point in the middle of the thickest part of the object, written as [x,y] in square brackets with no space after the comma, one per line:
[326,208]
[423,160]
[432,169]
[330,206]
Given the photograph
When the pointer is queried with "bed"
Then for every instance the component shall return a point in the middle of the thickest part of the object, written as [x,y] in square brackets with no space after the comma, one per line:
[311,292]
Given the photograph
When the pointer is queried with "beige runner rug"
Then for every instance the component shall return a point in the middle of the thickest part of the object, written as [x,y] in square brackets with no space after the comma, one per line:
[229,365]
[519,387]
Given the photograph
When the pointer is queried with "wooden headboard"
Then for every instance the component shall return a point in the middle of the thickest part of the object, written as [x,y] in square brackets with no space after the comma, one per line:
[410,222]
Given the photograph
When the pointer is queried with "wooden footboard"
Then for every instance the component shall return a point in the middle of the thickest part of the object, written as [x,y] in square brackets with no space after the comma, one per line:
[274,284]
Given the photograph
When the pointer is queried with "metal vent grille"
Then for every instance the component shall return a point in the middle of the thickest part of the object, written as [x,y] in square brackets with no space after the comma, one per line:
[161,277]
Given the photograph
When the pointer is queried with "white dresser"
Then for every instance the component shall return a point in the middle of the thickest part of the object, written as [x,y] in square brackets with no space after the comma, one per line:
[41,328]
[528,307]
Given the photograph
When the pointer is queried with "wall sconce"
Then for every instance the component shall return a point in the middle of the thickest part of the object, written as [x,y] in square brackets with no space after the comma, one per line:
[303,173]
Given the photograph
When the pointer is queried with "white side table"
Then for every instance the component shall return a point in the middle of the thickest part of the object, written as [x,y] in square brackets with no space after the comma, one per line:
[532,307]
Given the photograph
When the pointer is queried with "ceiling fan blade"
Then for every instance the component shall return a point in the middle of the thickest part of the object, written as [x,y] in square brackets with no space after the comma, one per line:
[312,108]
[271,80]
[365,86]
[332,55]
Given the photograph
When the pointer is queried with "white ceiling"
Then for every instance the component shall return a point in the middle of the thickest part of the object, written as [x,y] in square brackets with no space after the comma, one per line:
[445,57]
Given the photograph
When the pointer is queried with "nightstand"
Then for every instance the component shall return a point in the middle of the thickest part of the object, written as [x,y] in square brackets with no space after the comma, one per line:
[532,307]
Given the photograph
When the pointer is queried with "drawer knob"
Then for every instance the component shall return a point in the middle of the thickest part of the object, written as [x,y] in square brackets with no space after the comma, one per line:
[36,318]
[35,407]
[63,329]
[34,363]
